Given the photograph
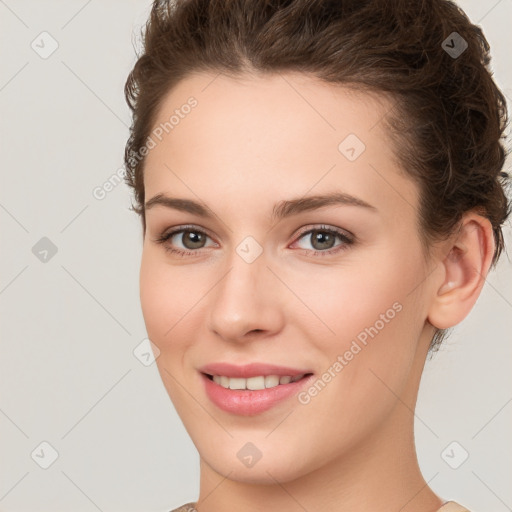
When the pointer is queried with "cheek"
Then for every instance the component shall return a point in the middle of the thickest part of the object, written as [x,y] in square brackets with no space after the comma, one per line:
[350,300]
[367,362]
[165,301]
[163,295]
[153,298]
[370,323]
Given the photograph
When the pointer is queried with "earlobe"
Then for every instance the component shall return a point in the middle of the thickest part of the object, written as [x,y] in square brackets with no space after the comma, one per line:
[464,270]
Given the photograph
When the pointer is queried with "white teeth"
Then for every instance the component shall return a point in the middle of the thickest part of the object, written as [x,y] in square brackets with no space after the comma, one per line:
[254,383]
[271,381]
[237,383]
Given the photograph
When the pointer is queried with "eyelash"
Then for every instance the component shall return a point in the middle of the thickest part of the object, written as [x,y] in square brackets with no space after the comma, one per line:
[347,241]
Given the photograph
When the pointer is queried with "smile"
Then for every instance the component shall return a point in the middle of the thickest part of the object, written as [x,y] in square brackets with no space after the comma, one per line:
[254,395]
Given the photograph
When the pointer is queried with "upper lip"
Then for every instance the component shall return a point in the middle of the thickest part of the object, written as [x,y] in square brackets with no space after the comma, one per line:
[250,370]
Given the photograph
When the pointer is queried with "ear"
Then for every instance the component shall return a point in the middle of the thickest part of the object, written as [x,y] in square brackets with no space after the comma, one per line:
[463,270]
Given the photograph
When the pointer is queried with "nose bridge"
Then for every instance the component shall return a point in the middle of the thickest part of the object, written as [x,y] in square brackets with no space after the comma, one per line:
[245,299]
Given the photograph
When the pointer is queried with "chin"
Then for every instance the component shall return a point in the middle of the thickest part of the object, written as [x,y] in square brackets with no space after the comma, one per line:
[262,473]
[276,463]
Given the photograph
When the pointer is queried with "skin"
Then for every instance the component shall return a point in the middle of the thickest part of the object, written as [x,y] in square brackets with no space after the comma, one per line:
[250,143]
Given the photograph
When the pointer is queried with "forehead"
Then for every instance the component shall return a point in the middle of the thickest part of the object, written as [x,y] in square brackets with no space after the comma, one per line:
[274,135]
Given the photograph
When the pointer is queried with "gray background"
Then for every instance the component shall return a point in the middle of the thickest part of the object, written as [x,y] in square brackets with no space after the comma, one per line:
[70,325]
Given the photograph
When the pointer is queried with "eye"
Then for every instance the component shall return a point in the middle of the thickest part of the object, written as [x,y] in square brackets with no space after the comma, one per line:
[323,240]
[191,238]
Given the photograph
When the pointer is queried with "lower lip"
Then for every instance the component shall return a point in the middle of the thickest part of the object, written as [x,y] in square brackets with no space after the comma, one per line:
[247,402]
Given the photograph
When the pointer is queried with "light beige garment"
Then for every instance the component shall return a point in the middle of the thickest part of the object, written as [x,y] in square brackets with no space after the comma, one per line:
[189,507]
[449,506]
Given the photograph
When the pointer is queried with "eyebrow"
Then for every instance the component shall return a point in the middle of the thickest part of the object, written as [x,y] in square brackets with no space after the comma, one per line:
[281,210]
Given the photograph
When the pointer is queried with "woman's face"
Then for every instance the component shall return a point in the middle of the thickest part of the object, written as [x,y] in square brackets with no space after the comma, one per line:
[346,303]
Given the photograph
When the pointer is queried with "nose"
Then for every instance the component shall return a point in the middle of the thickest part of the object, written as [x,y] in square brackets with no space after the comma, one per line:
[247,302]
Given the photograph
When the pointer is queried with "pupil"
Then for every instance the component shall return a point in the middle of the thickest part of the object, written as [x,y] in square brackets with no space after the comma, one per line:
[324,237]
[193,240]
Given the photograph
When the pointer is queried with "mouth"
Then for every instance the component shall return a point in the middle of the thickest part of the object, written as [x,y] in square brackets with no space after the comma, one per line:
[253,395]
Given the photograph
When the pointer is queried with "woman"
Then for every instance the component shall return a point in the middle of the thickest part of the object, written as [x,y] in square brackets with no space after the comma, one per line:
[321,193]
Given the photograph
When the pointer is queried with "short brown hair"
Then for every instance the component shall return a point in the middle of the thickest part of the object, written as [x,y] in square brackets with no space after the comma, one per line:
[448,119]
